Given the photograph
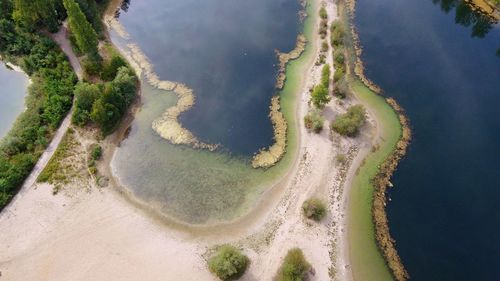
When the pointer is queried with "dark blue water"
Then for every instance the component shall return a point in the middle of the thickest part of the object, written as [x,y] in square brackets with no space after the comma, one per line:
[439,60]
[224,51]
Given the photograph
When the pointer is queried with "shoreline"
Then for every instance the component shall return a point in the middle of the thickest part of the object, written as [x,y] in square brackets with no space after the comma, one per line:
[102,224]
[381,181]
[270,195]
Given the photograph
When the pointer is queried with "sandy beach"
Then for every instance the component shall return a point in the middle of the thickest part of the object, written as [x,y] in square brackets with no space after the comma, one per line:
[97,234]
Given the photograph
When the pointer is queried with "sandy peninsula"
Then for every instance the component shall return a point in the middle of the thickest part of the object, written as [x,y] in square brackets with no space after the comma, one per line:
[95,233]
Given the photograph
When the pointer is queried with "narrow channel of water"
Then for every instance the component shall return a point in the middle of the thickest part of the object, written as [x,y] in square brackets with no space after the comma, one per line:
[225,51]
[440,61]
[12,93]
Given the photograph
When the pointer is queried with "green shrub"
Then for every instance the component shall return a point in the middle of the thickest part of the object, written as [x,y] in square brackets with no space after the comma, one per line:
[314,121]
[323,28]
[323,14]
[96,152]
[85,94]
[91,67]
[341,89]
[320,96]
[314,209]
[294,268]
[228,263]
[338,56]
[324,46]
[337,34]
[339,74]
[110,69]
[348,124]
[325,76]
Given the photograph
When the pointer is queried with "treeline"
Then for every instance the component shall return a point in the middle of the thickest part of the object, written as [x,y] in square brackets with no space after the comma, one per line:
[23,24]
[50,96]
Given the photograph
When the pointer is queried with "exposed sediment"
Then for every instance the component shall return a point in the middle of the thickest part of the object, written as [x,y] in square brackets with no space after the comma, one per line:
[269,157]
[167,125]
[284,58]
[381,182]
[486,7]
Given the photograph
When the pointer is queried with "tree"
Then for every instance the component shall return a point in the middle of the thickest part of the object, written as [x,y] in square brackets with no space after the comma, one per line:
[348,124]
[320,96]
[85,35]
[325,76]
[228,263]
[31,12]
[294,268]
[86,94]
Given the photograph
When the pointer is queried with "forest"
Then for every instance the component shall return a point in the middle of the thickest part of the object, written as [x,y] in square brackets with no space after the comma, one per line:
[25,27]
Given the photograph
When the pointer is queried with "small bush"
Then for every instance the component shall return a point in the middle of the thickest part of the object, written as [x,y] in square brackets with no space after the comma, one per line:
[314,209]
[91,67]
[96,152]
[339,74]
[324,47]
[320,96]
[325,76]
[110,69]
[348,124]
[323,14]
[314,121]
[337,34]
[338,56]
[228,263]
[341,158]
[341,89]
[294,268]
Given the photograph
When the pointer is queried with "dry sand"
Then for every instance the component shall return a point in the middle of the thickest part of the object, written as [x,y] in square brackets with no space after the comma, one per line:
[96,234]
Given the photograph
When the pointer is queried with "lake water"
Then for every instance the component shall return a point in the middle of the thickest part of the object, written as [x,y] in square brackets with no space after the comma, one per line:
[441,63]
[12,93]
[225,52]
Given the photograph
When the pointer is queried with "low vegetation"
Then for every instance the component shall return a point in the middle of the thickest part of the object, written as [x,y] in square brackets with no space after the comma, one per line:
[314,209]
[348,124]
[320,94]
[314,121]
[295,267]
[323,28]
[228,263]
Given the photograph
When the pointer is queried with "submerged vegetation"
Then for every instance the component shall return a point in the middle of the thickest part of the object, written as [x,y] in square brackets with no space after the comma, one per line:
[295,267]
[228,263]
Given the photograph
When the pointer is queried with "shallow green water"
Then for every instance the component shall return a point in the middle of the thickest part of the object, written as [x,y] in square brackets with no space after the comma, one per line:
[198,186]
[13,89]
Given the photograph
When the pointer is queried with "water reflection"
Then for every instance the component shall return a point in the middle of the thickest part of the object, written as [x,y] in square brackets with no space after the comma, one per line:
[464,14]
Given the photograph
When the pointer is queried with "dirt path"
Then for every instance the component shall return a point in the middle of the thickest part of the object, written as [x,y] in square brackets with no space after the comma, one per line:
[61,38]
[63,42]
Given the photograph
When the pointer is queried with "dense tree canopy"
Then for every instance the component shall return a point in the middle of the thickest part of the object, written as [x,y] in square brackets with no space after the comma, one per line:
[85,35]
[32,12]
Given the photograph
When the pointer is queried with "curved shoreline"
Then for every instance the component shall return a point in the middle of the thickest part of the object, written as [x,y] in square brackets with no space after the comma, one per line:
[169,127]
[269,197]
[381,181]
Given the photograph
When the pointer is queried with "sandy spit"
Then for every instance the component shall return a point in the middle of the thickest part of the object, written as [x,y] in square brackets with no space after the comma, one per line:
[96,234]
